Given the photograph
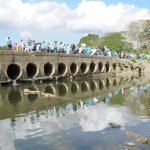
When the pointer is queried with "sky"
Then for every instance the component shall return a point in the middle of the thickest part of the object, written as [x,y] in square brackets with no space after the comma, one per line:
[67,20]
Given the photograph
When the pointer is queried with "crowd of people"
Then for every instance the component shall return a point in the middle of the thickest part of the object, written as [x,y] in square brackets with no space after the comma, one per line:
[61,47]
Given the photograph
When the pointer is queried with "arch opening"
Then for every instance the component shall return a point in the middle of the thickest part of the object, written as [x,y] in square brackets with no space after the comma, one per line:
[49,69]
[83,68]
[73,68]
[32,70]
[14,71]
[62,69]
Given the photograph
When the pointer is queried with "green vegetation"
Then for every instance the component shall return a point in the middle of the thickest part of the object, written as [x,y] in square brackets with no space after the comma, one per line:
[89,39]
[145,51]
[3,48]
[117,99]
[138,32]
[114,41]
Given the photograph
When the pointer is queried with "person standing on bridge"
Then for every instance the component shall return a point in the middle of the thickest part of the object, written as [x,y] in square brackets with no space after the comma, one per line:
[9,43]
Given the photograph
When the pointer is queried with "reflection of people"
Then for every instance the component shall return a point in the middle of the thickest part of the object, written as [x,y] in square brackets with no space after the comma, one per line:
[32,119]
[122,91]
[13,123]
[46,113]
[37,115]
[74,107]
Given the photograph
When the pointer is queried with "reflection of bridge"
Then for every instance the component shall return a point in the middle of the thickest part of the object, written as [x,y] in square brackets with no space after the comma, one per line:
[25,66]
[14,100]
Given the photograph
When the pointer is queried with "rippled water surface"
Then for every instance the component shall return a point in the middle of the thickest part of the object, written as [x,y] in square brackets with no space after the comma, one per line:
[76,115]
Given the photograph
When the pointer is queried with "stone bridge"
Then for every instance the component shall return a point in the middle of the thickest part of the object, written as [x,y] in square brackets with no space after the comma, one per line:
[40,65]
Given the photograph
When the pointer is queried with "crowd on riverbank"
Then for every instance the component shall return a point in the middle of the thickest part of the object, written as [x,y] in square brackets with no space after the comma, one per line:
[61,47]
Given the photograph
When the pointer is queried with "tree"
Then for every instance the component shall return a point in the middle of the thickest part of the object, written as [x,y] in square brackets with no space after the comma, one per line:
[139,33]
[115,41]
[145,34]
[89,39]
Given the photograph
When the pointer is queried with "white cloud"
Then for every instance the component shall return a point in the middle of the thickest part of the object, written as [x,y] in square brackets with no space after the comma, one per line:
[88,16]
[40,16]
[97,16]
[25,35]
[91,120]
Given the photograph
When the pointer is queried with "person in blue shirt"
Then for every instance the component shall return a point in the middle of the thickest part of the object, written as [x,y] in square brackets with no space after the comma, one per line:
[9,43]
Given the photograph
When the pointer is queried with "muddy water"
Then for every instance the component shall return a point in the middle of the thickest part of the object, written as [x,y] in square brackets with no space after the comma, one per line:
[76,115]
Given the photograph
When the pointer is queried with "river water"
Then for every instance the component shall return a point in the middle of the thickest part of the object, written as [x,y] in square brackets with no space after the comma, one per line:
[76,115]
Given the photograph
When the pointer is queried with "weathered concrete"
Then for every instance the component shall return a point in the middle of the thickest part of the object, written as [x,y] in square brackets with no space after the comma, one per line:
[23,65]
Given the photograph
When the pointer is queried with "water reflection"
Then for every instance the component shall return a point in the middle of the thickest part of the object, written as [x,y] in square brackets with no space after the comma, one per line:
[62,89]
[76,90]
[50,89]
[72,123]
[93,85]
[59,118]
[101,84]
[98,118]
[115,82]
[74,87]
[108,82]
[90,115]
[14,95]
[85,86]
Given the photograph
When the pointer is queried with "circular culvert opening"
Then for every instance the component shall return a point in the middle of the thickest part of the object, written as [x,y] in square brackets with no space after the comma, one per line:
[108,68]
[32,70]
[92,67]
[62,69]
[83,68]
[49,69]
[73,68]
[101,67]
[14,71]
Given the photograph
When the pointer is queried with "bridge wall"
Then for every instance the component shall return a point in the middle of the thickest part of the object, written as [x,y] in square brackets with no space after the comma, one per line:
[23,65]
